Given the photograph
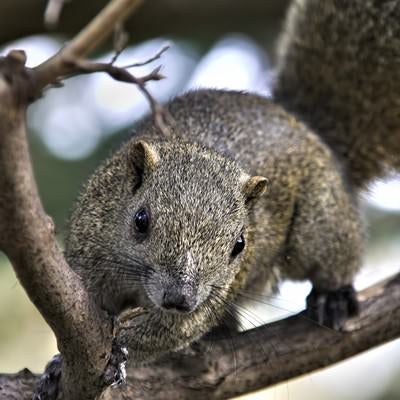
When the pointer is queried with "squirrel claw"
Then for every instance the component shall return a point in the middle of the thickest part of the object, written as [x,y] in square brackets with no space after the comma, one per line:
[332,308]
[115,374]
[49,384]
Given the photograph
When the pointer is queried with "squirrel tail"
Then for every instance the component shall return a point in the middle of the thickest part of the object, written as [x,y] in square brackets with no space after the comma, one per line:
[339,71]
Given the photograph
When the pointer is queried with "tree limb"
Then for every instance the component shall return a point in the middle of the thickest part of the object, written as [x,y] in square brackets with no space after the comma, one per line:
[270,354]
[83,331]
[85,42]
[27,237]
[262,356]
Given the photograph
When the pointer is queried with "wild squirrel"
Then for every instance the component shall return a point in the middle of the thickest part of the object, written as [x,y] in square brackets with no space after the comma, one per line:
[247,190]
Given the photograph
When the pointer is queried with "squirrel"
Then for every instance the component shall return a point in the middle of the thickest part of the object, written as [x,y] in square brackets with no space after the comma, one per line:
[248,190]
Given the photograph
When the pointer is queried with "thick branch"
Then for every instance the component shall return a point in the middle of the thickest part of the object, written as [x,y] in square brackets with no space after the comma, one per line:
[83,332]
[262,357]
[27,237]
[271,353]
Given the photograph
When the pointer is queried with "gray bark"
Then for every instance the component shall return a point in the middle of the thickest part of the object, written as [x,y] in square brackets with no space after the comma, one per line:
[262,357]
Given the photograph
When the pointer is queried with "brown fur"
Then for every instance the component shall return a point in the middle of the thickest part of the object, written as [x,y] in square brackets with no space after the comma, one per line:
[339,71]
[197,184]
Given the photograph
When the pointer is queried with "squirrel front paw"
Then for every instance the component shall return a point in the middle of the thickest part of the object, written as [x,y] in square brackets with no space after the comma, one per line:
[332,308]
[115,374]
[49,386]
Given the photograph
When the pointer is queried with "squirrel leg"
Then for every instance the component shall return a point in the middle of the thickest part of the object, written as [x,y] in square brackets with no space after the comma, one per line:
[324,245]
[332,307]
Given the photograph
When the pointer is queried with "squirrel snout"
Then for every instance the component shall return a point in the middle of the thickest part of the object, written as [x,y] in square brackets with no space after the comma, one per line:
[179,299]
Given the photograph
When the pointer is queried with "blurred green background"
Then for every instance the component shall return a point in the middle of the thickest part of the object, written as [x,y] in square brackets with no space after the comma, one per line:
[73,128]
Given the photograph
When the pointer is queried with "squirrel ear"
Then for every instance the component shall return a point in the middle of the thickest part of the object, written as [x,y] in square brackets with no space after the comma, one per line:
[143,156]
[254,187]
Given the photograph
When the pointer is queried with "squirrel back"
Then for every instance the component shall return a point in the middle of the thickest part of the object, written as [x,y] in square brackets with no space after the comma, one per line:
[338,70]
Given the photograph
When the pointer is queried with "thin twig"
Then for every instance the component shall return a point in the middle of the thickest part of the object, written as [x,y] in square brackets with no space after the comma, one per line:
[53,12]
[120,41]
[71,60]
[156,56]
[85,42]
[162,118]
[117,73]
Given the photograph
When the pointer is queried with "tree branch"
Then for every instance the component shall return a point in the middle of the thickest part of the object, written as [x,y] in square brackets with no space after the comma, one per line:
[262,357]
[85,42]
[27,237]
[83,331]
[270,354]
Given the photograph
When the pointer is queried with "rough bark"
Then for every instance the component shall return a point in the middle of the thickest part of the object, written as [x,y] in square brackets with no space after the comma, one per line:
[262,357]
[84,333]
[18,386]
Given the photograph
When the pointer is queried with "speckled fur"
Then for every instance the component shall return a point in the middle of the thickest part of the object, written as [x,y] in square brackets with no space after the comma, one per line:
[339,70]
[305,227]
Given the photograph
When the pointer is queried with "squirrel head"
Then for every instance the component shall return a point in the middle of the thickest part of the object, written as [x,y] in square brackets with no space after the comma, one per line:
[188,220]
[167,219]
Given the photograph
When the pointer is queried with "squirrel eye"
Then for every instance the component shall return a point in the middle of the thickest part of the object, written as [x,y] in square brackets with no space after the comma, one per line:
[239,246]
[142,220]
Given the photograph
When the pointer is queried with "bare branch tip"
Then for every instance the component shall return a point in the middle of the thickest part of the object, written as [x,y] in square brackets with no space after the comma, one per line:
[151,59]
[53,12]
[121,38]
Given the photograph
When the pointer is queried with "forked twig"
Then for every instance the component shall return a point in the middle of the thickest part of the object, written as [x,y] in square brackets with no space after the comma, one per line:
[71,60]
[162,118]
[156,56]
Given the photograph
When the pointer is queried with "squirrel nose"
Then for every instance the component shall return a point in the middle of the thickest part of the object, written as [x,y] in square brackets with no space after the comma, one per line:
[179,301]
